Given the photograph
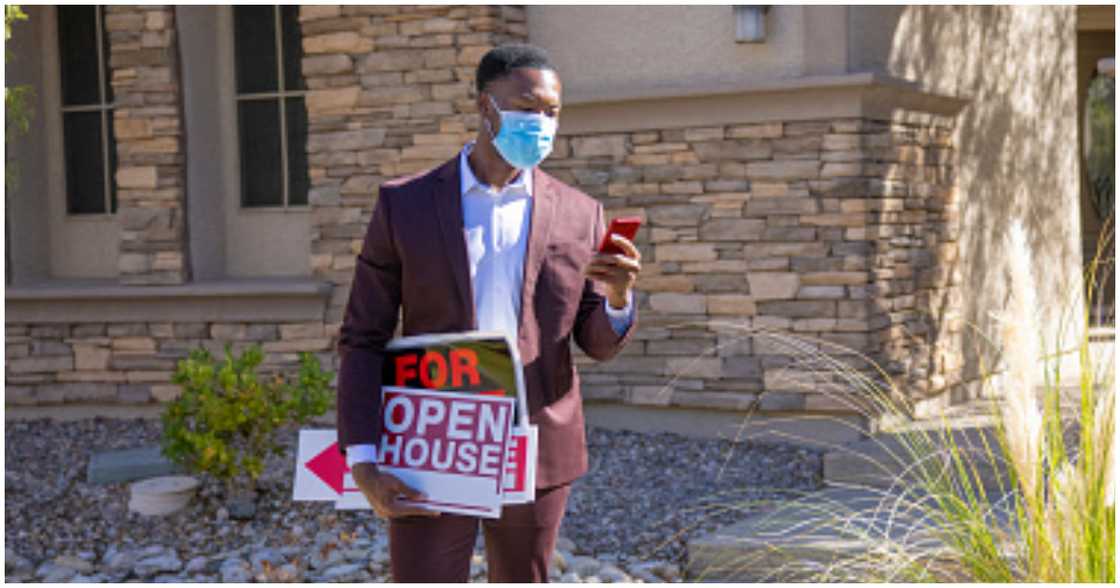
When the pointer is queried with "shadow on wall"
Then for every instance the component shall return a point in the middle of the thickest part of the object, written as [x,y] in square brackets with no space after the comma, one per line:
[1016,148]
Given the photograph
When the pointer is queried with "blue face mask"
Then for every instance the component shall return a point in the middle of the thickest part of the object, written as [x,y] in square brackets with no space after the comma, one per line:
[525,138]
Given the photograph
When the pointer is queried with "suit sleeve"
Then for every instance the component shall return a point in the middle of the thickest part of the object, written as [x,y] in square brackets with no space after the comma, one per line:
[593,330]
[367,325]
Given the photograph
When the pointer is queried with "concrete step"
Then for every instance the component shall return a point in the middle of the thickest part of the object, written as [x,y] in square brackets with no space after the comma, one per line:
[884,459]
[848,534]
[126,465]
[888,460]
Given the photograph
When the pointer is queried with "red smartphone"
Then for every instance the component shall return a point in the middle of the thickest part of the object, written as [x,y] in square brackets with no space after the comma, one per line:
[627,226]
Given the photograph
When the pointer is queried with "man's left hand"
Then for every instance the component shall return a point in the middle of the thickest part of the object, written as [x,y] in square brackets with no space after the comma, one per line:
[618,272]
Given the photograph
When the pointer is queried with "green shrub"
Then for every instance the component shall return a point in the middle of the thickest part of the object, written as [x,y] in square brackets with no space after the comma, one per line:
[225,420]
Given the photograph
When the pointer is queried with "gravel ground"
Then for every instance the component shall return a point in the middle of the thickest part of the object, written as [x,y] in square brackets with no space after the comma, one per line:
[628,519]
[646,494]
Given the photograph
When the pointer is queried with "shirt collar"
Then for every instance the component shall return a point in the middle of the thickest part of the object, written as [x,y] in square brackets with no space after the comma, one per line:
[522,183]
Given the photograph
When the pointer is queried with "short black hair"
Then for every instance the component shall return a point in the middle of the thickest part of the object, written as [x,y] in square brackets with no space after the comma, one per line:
[500,62]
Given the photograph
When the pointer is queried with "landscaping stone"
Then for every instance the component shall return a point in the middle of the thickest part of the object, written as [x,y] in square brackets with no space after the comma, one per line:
[110,467]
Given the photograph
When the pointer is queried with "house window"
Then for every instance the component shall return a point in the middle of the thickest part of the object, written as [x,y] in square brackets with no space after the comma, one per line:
[271,116]
[87,111]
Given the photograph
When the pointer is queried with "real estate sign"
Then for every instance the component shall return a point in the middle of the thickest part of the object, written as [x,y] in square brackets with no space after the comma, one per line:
[454,426]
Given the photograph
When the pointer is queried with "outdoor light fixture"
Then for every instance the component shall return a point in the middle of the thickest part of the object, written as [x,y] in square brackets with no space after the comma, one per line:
[1107,66]
[750,24]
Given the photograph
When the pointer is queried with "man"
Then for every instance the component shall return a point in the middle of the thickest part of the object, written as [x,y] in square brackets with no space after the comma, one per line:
[487,241]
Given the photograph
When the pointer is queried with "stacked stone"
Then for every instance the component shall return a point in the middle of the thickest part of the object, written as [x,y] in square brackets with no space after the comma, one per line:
[914,226]
[759,258]
[391,92]
[147,125]
[132,363]
[766,245]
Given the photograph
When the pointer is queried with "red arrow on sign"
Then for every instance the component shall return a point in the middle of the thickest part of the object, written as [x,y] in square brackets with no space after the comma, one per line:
[329,466]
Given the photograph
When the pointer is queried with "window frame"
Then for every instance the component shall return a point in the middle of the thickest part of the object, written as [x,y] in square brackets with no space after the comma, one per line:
[281,96]
[104,108]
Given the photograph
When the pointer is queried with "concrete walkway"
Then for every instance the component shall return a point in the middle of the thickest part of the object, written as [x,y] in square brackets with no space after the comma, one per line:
[869,518]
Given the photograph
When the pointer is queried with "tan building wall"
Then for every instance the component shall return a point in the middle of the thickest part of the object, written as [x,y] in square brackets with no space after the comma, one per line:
[783,188]
[1017,138]
[655,50]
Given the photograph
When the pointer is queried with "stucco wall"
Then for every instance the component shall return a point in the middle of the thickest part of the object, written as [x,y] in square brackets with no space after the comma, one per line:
[628,50]
[1017,139]
[46,242]
[28,237]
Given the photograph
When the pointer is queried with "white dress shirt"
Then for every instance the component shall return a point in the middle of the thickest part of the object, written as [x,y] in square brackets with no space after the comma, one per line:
[496,229]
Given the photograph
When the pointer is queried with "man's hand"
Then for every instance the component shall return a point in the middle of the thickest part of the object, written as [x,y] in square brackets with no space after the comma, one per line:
[618,272]
[384,491]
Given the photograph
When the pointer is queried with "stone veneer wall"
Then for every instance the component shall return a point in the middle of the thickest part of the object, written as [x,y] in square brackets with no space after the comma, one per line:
[764,243]
[391,93]
[830,231]
[147,124]
[133,362]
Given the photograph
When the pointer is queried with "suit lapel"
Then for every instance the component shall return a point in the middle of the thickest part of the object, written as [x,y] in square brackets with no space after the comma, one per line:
[448,204]
[543,209]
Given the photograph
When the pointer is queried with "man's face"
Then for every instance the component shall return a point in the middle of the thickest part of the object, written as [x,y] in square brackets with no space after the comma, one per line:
[526,89]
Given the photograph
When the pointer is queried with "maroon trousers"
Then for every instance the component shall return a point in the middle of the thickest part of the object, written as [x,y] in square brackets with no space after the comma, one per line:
[518,545]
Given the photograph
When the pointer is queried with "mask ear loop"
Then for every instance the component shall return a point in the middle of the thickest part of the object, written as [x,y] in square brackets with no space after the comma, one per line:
[490,127]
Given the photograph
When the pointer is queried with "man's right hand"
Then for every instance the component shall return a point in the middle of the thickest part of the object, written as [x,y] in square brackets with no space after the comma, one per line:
[384,491]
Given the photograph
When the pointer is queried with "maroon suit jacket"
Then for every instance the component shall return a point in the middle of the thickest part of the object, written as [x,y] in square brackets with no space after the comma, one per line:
[414,259]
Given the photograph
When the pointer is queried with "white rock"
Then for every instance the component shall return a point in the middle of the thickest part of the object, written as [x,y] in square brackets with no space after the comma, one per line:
[340,572]
[52,572]
[570,578]
[235,570]
[238,575]
[671,572]
[565,544]
[196,564]
[151,550]
[287,573]
[118,560]
[161,563]
[648,572]
[355,554]
[378,559]
[73,562]
[611,573]
[584,565]
[592,580]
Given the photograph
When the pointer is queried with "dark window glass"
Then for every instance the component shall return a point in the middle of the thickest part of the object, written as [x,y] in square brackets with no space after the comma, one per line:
[293,47]
[85,164]
[255,46]
[298,181]
[77,48]
[260,153]
[89,150]
[107,80]
[263,149]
